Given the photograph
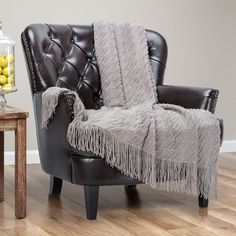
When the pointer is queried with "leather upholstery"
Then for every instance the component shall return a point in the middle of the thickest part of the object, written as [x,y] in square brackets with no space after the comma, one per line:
[63,55]
[88,171]
[188,97]
[52,143]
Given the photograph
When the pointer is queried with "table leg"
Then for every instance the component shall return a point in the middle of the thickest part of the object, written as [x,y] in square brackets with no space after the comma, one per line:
[1,166]
[20,169]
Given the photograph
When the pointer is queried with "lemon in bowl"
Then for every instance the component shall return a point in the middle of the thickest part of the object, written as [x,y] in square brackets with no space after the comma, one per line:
[7,88]
[9,58]
[11,79]
[3,62]
[8,70]
[3,79]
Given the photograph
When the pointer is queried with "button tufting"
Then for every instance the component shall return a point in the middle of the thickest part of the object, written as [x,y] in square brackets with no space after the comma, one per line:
[74,62]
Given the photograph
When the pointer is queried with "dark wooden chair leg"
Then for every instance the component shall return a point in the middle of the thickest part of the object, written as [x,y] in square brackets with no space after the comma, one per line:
[55,186]
[203,205]
[91,193]
[129,187]
[202,202]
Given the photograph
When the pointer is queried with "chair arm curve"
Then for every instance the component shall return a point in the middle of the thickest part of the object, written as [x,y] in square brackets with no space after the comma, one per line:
[52,142]
[188,97]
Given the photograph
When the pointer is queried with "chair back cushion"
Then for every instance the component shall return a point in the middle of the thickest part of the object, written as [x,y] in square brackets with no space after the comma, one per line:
[64,55]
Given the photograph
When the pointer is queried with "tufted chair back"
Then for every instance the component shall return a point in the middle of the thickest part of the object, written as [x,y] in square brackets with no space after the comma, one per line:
[64,55]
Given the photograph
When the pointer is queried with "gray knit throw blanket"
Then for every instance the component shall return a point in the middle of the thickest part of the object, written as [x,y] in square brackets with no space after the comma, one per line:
[166,146]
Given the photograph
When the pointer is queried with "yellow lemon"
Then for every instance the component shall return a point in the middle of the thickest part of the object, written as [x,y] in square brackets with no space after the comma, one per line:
[8,70]
[7,87]
[11,79]
[0,70]
[3,62]
[3,79]
[9,58]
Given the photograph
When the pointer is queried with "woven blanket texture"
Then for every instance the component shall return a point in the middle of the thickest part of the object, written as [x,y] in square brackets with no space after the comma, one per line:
[166,146]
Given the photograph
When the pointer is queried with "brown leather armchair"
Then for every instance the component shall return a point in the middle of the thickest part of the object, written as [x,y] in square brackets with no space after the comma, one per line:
[64,55]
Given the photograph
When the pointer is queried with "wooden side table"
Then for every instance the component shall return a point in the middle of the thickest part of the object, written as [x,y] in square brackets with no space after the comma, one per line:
[15,119]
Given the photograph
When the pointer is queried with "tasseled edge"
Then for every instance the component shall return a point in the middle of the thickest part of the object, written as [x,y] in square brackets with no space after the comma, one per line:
[49,104]
[166,175]
[50,101]
[207,182]
[79,109]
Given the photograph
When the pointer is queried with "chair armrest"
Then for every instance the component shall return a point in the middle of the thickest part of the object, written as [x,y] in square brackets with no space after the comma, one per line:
[52,142]
[64,107]
[188,97]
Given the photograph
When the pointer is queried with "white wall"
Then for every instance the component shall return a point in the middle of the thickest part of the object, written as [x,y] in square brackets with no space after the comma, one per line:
[201,36]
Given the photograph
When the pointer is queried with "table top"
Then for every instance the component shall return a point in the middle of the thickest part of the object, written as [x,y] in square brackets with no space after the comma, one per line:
[13,113]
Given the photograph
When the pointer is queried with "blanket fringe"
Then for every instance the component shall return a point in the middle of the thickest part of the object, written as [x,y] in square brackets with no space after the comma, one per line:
[166,175]
[207,182]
